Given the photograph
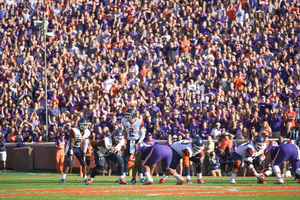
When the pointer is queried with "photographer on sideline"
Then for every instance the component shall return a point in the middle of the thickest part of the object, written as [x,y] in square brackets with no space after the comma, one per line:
[214,165]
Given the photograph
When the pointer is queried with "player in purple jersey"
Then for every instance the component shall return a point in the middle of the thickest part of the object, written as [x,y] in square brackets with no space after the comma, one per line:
[150,156]
[278,154]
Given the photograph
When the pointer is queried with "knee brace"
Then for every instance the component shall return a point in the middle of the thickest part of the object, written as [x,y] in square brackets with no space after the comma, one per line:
[236,166]
[120,161]
[199,166]
[98,169]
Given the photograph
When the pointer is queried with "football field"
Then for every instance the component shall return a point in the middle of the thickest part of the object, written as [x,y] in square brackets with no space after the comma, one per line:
[23,185]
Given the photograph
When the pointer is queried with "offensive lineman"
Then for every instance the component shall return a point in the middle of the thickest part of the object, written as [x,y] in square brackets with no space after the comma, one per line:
[250,153]
[189,151]
[78,135]
[109,149]
[134,133]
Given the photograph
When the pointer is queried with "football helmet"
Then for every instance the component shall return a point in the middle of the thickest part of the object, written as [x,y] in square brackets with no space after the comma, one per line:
[259,142]
[117,136]
[197,145]
[83,124]
[130,114]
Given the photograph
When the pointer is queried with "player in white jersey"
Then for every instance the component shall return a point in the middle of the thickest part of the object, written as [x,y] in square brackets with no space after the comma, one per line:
[188,151]
[78,135]
[108,149]
[134,133]
[250,154]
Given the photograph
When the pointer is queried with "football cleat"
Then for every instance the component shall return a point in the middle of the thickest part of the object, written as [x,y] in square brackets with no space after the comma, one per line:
[133,181]
[189,181]
[84,180]
[62,181]
[179,182]
[89,182]
[118,181]
[148,182]
[200,181]
[142,180]
[280,181]
[232,181]
[161,181]
[122,181]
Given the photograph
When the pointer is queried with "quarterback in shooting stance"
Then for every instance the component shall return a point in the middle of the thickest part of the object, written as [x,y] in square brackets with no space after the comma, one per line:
[134,134]
[278,154]
[150,156]
[250,154]
[189,151]
[78,135]
[108,149]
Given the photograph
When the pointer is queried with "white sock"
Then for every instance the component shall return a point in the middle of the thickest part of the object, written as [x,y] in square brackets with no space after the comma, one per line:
[91,178]
[199,175]
[141,175]
[282,175]
[165,176]
[298,171]
[176,175]
[277,171]
[148,176]
[233,175]
[64,176]
[188,177]
[84,177]
[122,176]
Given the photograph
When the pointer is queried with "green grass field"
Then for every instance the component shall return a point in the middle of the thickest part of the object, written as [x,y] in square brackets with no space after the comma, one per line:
[23,185]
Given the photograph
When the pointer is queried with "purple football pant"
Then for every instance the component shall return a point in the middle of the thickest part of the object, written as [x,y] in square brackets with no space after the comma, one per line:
[159,153]
[287,152]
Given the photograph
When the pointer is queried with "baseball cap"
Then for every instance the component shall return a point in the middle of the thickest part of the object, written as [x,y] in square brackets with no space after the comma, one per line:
[62,134]
[174,136]
[227,133]
[26,125]
[153,102]
[149,134]
[218,124]
[69,124]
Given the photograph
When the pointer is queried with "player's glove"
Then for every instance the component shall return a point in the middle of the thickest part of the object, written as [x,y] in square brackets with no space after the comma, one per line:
[133,181]
[261,176]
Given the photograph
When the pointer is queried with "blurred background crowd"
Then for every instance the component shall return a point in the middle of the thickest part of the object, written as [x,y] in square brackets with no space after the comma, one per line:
[198,67]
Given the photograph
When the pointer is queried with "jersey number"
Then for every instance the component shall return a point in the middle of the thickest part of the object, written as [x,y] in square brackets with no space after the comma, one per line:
[78,142]
[131,132]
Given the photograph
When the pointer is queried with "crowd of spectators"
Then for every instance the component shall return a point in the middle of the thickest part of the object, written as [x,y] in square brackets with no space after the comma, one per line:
[199,66]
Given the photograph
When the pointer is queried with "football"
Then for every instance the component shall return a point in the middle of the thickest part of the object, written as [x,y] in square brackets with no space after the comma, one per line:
[261,179]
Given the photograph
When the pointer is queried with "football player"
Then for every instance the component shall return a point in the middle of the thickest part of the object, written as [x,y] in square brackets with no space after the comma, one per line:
[78,135]
[249,153]
[189,151]
[278,154]
[152,155]
[134,134]
[108,149]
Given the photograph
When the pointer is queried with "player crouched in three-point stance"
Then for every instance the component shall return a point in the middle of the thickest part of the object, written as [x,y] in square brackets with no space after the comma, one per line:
[250,154]
[109,149]
[189,151]
[78,135]
[152,155]
[134,133]
[278,154]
